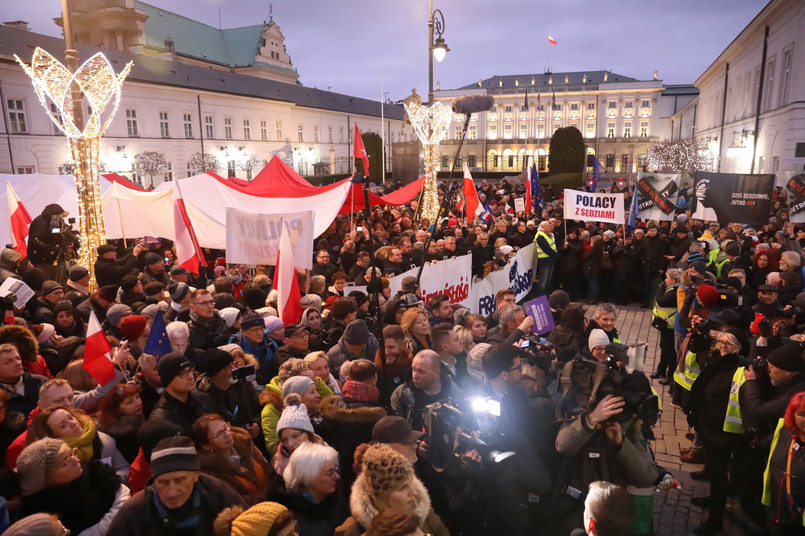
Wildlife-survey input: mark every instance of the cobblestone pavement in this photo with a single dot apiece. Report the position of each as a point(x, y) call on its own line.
point(674, 515)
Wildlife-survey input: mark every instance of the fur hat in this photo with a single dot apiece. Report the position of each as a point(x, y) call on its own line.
point(256, 521)
point(36, 463)
point(23, 338)
point(116, 313)
point(296, 384)
point(598, 337)
point(385, 469)
point(133, 326)
point(294, 415)
point(176, 453)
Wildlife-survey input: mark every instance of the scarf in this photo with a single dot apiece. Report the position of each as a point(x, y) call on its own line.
point(236, 278)
point(83, 443)
point(360, 392)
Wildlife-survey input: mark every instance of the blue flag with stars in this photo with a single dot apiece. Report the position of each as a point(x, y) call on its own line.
point(598, 171)
point(631, 222)
point(158, 343)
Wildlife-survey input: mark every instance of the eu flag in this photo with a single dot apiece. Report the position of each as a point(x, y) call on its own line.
point(535, 198)
point(158, 343)
point(631, 223)
point(598, 171)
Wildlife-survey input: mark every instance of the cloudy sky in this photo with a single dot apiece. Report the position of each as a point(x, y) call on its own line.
point(351, 45)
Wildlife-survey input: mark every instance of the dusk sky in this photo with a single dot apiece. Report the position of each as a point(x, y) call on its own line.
point(349, 45)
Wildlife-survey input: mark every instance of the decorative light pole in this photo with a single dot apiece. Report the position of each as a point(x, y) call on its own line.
point(66, 88)
point(436, 49)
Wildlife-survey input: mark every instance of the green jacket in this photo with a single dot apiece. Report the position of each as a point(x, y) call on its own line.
point(272, 410)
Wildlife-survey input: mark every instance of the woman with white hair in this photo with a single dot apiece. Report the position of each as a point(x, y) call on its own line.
point(312, 490)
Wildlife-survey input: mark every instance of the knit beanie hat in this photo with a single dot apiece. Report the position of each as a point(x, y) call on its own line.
point(64, 305)
point(229, 314)
point(152, 258)
point(36, 463)
point(151, 311)
point(311, 300)
point(47, 331)
point(356, 332)
point(231, 347)
point(116, 312)
point(294, 415)
point(385, 469)
point(133, 326)
point(50, 286)
point(177, 453)
point(179, 291)
point(558, 300)
point(153, 289)
point(256, 521)
point(254, 298)
point(252, 320)
point(216, 360)
point(707, 295)
point(108, 293)
point(598, 337)
point(170, 365)
point(296, 384)
point(33, 525)
point(272, 323)
point(129, 282)
point(787, 357)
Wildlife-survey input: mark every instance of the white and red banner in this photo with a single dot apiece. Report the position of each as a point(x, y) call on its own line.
point(517, 275)
point(586, 206)
point(287, 285)
point(188, 251)
point(450, 276)
point(96, 353)
point(20, 221)
point(253, 238)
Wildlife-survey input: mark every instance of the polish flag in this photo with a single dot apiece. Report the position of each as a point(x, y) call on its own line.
point(20, 220)
point(96, 353)
point(359, 151)
point(287, 285)
point(471, 195)
point(528, 198)
point(551, 40)
point(188, 252)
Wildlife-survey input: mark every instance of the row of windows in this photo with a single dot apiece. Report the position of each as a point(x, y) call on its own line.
point(573, 106)
point(589, 131)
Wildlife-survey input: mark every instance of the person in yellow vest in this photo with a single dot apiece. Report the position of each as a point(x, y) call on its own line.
point(784, 479)
point(663, 317)
point(717, 424)
point(547, 255)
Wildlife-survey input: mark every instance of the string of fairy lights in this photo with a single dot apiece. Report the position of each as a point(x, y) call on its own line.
point(683, 156)
point(95, 80)
point(430, 125)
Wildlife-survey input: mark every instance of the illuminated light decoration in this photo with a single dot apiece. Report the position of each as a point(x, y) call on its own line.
point(150, 163)
point(430, 126)
point(684, 156)
point(95, 81)
point(201, 163)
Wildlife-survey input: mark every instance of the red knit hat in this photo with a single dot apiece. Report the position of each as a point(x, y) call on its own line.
point(707, 295)
point(131, 327)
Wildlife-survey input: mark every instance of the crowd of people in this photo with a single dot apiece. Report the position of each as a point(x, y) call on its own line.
point(378, 414)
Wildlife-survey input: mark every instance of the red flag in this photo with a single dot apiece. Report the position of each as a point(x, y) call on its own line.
point(20, 220)
point(528, 200)
point(188, 252)
point(551, 40)
point(287, 285)
point(471, 195)
point(359, 150)
point(96, 353)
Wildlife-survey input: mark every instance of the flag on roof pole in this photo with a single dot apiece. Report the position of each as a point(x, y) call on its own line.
point(598, 172)
point(532, 201)
point(525, 105)
point(551, 40)
point(359, 151)
point(188, 251)
point(471, 195)
point(287, 285)
point(20, 220)
point(158, 342)
point(96, 352)
point(631, 223)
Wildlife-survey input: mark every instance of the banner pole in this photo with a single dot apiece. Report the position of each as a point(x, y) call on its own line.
point(122, 227)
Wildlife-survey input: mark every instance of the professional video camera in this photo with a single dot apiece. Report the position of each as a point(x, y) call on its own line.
point(634, 387)
point(728, 297)
point(538, 352)
point(451, 432)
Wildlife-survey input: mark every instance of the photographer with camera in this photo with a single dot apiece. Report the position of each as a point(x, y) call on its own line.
point(716, 415)
point(51, 242)
point(605, 441)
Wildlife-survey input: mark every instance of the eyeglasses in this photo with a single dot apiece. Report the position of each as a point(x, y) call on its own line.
point(724, 342)
point(186, 372)
point(205, 302)
point(323, 257)
point(223, 432)
point(334, 473)
point(69, 457)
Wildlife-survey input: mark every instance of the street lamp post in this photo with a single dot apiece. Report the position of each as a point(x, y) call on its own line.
point(436, 49)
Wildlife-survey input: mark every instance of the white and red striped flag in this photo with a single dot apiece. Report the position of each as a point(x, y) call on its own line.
point(188, 252)
point(471, 195)
point(96, 353)
point(551, 40)
point(20, 220)
point(359, 150)
point(287, 285)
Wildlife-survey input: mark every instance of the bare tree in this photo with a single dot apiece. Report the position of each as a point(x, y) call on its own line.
point(150, 163)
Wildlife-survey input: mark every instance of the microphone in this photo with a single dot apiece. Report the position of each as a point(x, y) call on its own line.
point(470, 104)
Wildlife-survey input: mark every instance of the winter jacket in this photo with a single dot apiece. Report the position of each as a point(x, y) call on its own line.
point(786, 512)
point(184, 414)
point(24, 403)
point(248, 477)
point(315, 519)
point(709, 397)
point(760, 415)
point(363, 510)
point(239, 404)
point(338, 354)
point(265, 353)
point(404, 399)
point(111, 271)
point(140, 515)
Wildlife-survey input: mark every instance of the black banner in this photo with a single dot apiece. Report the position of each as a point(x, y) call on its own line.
point(732, 197)
point(795, 188)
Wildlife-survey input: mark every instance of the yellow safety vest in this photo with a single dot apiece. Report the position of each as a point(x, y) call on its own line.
point(766, 498)
point(666, 313)
point(720, 266)
point(551, 243)
point(690, 371)
point(733, 423)
point(712, 255)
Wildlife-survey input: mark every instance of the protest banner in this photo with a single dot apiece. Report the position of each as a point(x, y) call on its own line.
point(795, 189)
point(517, 275)
point(450, 276)
point(519, 204)
point(657, 194)
point(732, 197)
point(586, 206)
point(253, 238)
point(540, 310)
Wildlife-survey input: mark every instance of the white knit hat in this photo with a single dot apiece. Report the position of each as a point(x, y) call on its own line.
point(598, 337)
point(229, 314)
point(294, 415)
